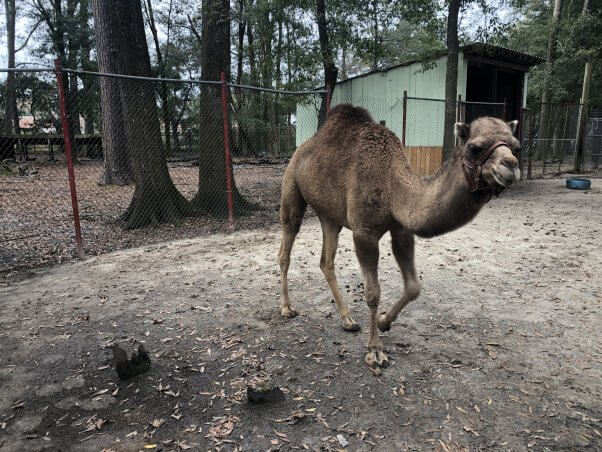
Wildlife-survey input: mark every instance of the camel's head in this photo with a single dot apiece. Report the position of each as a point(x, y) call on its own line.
point(488, 148)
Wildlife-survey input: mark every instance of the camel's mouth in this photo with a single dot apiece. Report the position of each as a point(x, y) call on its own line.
point(505, 177)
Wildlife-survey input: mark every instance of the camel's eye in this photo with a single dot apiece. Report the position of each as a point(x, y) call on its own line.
point(474, 149)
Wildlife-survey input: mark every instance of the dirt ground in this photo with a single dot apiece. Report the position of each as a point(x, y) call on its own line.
point(502, 350)
point(36, 219)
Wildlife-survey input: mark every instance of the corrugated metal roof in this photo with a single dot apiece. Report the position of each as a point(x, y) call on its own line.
point(480, 49)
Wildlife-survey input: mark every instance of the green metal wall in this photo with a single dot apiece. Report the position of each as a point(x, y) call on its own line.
point(382, 95)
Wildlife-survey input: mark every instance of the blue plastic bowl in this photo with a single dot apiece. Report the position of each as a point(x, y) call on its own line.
point(578, 183)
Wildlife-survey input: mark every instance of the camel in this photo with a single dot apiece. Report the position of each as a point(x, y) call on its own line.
point(355, 174)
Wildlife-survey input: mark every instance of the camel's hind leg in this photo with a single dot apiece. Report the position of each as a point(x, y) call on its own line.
point(403, 250)
point(330, 235)
point(292, 209)
point(366, 249)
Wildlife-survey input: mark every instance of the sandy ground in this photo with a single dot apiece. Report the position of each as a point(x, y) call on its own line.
point(502, 350)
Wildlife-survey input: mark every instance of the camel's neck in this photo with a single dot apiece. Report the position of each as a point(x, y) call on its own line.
point(435, 205)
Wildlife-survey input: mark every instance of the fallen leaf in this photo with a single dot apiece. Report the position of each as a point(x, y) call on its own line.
point(157, 423)
point(94, 424)
point(101, 392)
point(468, 429)
point(222, 428)
point(342, 441)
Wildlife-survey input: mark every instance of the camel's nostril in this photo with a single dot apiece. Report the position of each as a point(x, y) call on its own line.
point(510, 162)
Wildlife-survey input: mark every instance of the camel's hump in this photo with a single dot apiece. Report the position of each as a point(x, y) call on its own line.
point(348, 112)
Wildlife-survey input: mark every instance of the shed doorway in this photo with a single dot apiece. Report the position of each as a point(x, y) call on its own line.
point(488, 88)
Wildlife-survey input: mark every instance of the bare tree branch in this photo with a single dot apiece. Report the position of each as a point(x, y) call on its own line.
point(196, 33)
point(35, 27)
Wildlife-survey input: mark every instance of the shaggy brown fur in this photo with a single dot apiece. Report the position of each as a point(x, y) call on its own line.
point(356, 174)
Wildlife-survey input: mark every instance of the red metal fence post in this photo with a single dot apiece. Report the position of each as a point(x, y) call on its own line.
point(404, 118)
point(58, 70)
point(227, 152)
point(327, 98)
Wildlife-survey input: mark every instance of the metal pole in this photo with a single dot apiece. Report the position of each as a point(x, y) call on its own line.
point(227, 152)
point(327, 98)
point(58, 70)
point(404, 118)
point(458, 116)
point(519, 134)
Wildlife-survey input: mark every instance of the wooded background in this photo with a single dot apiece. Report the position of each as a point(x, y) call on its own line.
point(277, 44)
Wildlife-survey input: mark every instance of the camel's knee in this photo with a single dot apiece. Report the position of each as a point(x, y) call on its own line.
point(284, 261)
point(413, 289)
point(372, 296)
point(326, 265)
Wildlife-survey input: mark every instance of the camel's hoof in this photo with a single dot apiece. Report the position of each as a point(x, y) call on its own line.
point(377, 358)
point(383, 325)
point(351, 326)
point(288, 313)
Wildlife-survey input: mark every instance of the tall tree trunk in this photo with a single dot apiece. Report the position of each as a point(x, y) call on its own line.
point(545, 94)
point(73, 44)
point(117, 169)
point(251, 42)
point(215, 58)
point(163, 89)
point(451, 79)
point(241, 39)
point(375, 43)
point(330, 69)
point(156, 198)
point(11, 117)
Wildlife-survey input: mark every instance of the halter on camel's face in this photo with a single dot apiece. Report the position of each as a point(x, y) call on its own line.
point(488, 161)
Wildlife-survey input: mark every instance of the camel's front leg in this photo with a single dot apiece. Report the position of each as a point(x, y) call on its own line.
point(330, 233)
point(366, 248)
point(403, 250)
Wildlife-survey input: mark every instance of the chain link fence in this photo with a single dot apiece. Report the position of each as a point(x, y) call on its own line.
point(550, 145)
point(198, 156)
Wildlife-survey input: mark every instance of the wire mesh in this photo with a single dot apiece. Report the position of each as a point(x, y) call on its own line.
point(34, 195)
point(424, 133)
point(145, 152)
point(550, 139)
point(149, 151)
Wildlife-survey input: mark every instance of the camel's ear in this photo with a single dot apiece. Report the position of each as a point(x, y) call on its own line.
point(462, 130)
point(513, 125)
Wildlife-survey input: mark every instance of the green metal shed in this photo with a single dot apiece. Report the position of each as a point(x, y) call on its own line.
point(491, 81)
